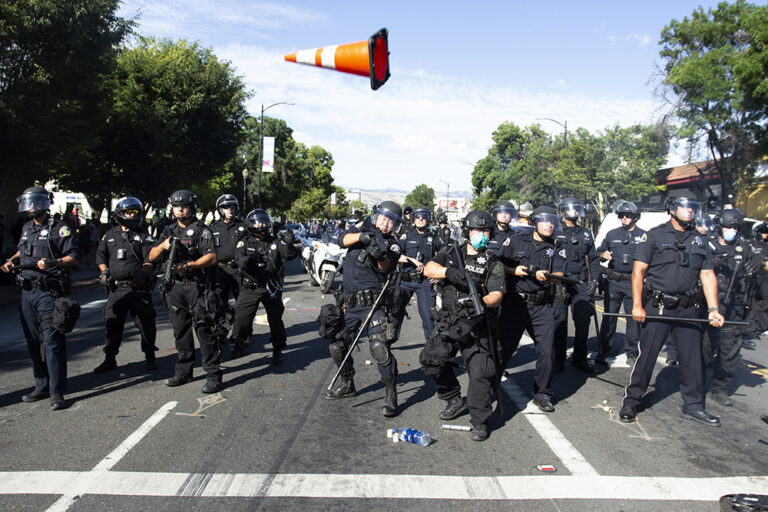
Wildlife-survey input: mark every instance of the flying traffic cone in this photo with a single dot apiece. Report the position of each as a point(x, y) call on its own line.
point(366, 58)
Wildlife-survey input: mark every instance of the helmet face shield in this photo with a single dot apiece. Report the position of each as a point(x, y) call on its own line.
point(705, 223)
point(545, 224)
point(504, 214)
point(685, 210)
point(422, 214)
point(385, 220)
point(573, 211)
point(33, 203)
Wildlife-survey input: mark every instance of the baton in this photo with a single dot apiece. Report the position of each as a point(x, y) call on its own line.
point(677, 318)
point(564, 279)
point(362, 328)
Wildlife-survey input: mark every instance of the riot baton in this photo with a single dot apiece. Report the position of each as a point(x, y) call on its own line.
point(677, 318)
point(594, 310)
point(363, 326)
point(727, 300)
point(566, 280)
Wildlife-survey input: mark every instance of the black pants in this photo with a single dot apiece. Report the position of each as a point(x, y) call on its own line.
point(539, 322)
point(618, 294)
point(508, 340)
point(187, 313)
point(722, 352)
point(121, 302)
point(652, 337)
point(477, 362)
point(245, 310)
point(353, 319)
point(50, 372)
point(227, 282)
point(582, 310)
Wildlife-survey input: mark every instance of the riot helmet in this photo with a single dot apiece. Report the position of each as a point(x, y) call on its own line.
point(571, 208)
point(387, 215)
point(407, 211)
point(684, 208)
point(545, 221)
point(731, 218)
point(628, 210)
point(184, 198)
point(34, 201)
point(503, 213)
point(227, 201)
point(259, 223)
point(129, 212)
point(422, 213)
point(759, 229)
point(480, 221)
point(704, 224)
point(442, 218)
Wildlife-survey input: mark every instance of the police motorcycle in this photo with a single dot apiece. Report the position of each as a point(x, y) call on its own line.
point(323, 259)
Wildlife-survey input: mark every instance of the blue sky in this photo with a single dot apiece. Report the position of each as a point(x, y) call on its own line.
point(459, 69)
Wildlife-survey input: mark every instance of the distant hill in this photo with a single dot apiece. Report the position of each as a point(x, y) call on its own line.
point(375, 196)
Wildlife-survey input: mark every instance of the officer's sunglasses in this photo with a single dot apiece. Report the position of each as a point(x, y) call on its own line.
point(624, 215)
point(421, 217)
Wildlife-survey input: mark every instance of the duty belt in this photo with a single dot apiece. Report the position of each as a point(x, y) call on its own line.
point(126, 283)
point(250, 284)
point(412, 276)
point(666, 300)
point(43, 284)
point(363, 298)
point(229, 264)
point(538, 298)
point(617, 276)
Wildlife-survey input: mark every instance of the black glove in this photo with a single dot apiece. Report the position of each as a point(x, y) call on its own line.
point(375, 251)
point(365, 238)
point(751, 266)
point(289, 237)
point(455, 277)
point(591, 288)
point(104, 276)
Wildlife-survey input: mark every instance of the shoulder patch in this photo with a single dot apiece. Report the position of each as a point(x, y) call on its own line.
point(402, 237)
point(498, 269)
point(561, 253)
point(206, 233)
point(506, 241)
point(395, 248)
point(240, 244)
point(643, 238)
point(64, 231)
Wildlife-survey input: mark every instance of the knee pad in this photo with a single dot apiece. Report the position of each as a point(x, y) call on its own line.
point(379, 351)
point(337, 350)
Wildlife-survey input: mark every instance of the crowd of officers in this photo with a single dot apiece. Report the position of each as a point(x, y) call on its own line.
point(202, 267)
point(475, 298)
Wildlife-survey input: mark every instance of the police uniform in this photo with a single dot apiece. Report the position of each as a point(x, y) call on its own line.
point(675, 260)
point(129, 288)
point(188, 308)
point(457, 330)
point(261, 264)
point(363, 282)
point(39, 290)
point(498, 245)
point(422, 247)
point(226, 236)
point(533, 305)
point(579, 245)
point(721, 353)
point(622, 243)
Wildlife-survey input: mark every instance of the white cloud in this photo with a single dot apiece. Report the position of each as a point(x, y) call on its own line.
point(640, 39)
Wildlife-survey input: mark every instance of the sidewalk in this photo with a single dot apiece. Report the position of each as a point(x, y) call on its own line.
point(82, 278)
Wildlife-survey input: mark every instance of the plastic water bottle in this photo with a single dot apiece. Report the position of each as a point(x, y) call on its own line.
point(414, 436)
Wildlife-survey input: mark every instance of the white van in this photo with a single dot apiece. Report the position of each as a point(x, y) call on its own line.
point(648, 220)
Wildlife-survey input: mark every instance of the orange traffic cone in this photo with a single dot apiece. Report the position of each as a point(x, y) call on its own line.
point(366, 58)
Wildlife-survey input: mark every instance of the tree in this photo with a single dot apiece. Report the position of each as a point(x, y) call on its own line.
point(715, 83)
point(421, 195)
point(175, 122)
point(54, 60)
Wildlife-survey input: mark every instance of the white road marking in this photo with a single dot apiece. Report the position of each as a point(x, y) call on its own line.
point(313, 485)
point(557, 442)
point(78, 485)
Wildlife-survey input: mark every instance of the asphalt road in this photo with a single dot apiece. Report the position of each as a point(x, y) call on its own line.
point(270, 441)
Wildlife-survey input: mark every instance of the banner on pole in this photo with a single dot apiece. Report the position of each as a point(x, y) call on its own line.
point(268, 160)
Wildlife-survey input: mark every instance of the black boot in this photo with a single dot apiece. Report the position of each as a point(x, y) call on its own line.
point(109, 363)
point(454, 408)
point(345, 388)
point(389, 408)
point(238, 349)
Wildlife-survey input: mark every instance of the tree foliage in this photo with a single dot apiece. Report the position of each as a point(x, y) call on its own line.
point(55, 59)
point(527, 165)
point(421, 195)
point(714, 74)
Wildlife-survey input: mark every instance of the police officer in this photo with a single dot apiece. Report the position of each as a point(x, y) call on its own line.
point(759, 312)
point(51, 247)
point(443, 231)
point(407, 223)
point(419, 245)
point(535, 296)
point(227, 232)
point(372, 255)
point(671, 260)
point(188, 307)
point(583, 263)
point(618, 249)
point(126, 272)
point(259, 257)
point(735, 266)
point(459, 329)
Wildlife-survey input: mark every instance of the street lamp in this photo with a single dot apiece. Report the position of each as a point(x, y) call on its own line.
point(261, 141)
point(565, 127)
